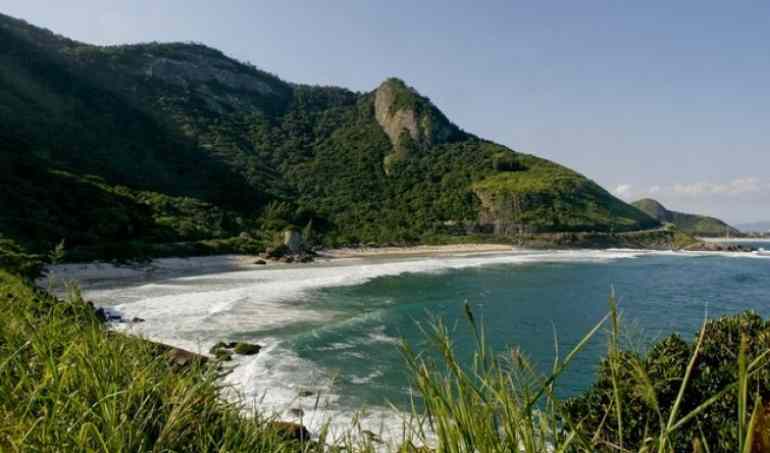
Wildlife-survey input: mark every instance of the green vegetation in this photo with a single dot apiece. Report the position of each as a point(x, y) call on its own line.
point(69, 385)
point(543, 196)
point(697, 225)
point(155, 144)
point(729, 367)
point(703, 396)
point(15, 259)
point(129, 152)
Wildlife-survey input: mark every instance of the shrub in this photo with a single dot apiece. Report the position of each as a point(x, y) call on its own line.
point(676, 395)
point(653, 380)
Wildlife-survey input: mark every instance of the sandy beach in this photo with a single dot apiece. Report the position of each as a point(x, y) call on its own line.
point(166, 267)
point(419, 250)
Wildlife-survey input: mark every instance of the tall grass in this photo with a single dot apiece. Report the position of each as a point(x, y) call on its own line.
point(67, 384)
point(501, 403)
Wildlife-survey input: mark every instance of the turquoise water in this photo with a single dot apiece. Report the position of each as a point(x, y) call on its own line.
point(522, 306)
point(333, 328)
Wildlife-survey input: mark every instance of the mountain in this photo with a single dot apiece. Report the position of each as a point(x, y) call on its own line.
point(697, 225)
point(754, 227)
point(167, 143)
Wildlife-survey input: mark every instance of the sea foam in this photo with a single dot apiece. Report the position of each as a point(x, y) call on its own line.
point(194, 312)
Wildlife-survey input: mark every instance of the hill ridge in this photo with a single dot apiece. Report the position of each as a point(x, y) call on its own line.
point(689, 223)
point(210, 148)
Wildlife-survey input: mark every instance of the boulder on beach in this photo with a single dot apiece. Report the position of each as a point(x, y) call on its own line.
point(247, 348)
point(101, 315)
point(223, 355)
point(220, 345)
point(276, 252)
point(294, 241)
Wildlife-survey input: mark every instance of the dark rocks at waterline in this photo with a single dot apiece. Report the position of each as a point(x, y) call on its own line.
point(297, 412)
point(717, 247)
point(104, 315)
point(288, 259)
point(293, 250)
point(224, 350)
point(223, 355)
point(101, 315)
point(290, 431)
point(217, 347)
point(273, 253)
point(247, 348)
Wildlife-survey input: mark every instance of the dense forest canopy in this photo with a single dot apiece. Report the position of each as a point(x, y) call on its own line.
point(177, 142)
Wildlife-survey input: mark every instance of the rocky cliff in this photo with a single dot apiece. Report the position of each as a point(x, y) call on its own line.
point(411, 122)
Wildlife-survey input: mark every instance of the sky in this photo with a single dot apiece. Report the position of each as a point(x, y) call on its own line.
point(661, 99)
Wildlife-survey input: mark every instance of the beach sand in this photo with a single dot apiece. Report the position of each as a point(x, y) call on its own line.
point(86, 273)
point(419, 250)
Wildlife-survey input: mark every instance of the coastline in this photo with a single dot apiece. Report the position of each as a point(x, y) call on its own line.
point(416, 250)
point(733, 240)
point(160, 268)
point(191, 314)
point(99, 271)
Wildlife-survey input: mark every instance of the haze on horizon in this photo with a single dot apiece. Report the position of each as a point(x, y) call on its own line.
point(652, 99)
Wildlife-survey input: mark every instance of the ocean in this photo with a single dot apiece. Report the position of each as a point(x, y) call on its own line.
point(331, 331)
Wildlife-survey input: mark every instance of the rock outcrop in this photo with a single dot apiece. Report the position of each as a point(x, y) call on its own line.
point(409, 120)
point(294, 241)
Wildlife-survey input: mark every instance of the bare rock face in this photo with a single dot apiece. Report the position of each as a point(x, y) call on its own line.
point(194, 72)
point(293, 240)
point(392, 121)
point(409, 120)
point(190, 67)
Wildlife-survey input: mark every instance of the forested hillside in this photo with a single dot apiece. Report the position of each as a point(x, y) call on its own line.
point(167, 143)
point(699, 225)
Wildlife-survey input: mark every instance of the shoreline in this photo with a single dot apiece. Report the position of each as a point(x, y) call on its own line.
point(733, 240)
point(414, 250)
point(276, 378)
point(101, 271)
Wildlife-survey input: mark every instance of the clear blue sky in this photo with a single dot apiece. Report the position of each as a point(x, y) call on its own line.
point(669, 99)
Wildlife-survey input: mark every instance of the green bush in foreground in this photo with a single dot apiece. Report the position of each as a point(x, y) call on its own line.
point(650, 383)
point(704, 396)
